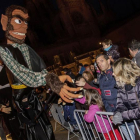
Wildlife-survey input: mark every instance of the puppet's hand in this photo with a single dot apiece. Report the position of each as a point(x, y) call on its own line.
point(64, 78)
point(56, 84)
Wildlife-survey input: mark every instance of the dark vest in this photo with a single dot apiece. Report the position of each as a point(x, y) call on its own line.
point(18, 56)
point(5, 93)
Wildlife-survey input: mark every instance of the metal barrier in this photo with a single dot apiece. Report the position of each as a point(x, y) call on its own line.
point(94, 130)
point(56, 111)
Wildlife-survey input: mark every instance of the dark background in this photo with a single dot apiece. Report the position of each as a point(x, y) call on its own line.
point(61, 26)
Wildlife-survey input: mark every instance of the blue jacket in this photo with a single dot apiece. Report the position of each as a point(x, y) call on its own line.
point(107, 85)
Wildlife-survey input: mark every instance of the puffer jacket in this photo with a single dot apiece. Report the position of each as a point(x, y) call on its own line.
point(113, 51)
point(127, 103)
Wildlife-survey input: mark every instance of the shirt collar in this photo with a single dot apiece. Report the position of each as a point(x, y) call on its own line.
point(16, 45)
point(108, 70)
point(107, 49)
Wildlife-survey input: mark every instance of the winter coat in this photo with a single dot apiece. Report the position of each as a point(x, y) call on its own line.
point(136, 59)
point(127, 102)
point(113, 51)
point(89, 117)
point(107, 85)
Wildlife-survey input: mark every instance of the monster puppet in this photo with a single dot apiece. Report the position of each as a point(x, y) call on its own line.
point(25, 70)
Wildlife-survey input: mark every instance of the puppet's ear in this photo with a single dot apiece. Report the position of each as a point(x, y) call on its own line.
point(4, 21)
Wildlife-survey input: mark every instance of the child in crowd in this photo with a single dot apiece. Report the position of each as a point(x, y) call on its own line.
point(110, 50)
point(89, 78)
point(94, 101)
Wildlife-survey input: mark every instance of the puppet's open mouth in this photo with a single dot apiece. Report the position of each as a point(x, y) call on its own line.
point(16, 33)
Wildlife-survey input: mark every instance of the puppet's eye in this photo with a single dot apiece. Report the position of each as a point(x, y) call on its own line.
point(18, 21)
point(26, 22)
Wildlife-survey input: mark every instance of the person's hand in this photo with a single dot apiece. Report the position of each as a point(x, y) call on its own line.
point(80, 83)
point(111, 59)
point(95, 80)
point(117, 118)
point(5, 109)
point(111, 117)
point(86, 112)
point(64, 78)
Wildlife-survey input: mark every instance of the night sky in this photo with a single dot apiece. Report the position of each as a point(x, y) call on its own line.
point(121, 8)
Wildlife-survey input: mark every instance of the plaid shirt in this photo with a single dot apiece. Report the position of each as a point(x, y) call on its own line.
point(25, 75)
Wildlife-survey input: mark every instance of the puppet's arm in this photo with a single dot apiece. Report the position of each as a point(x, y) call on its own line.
point(57, 85)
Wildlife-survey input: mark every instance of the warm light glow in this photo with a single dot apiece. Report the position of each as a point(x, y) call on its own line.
point(100, 43)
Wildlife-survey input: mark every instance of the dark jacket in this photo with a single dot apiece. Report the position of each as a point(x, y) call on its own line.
point(136, 59)
point(107, 85)
point(127, 102)
point(113, 51)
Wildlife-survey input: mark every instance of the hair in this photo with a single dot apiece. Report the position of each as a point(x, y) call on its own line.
point(134, 45)
point(126, 71)
point(105, 56)
point(93, 98)
point(86, 65)
point(80, 64)
point(78, 77)
point(90, 76)
point(67, 70)
point(107, 41)
point(92, 64)
point(11, 8)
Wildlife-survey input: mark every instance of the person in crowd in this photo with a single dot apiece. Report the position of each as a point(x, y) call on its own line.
point(69, 115)
point(94, 101)
point(81, 82)
point(107, 83)
point(127, 75)
point(87, 68)
point(110, 50)
point(92, 68)
point(69, 72)
point(134, 50)
point(82, 92)
point(81, 69)
point(89, 78)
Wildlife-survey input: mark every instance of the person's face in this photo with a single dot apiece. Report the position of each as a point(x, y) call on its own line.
point(132, 53)
point(105, 46)
point(85, 76)
point(82, 80)
point(92, 68)
point(18, 27)
point(79, 68)
point(102, 63)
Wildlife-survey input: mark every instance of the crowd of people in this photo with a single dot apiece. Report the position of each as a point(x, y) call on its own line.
point(111, 84)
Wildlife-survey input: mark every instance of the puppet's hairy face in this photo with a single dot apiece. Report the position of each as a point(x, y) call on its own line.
point(17, 26)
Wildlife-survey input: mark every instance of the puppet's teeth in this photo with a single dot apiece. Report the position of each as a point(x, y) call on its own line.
point(18, 33)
